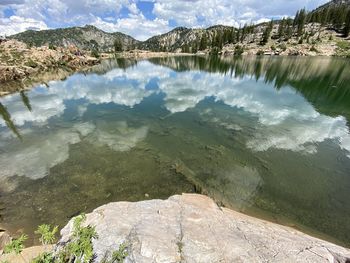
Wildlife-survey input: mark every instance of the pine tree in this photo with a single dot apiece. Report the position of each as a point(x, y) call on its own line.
point(301, 22)
point(238, 35)
point(233, 36)
point(204, 42)
point(194, 47)
point(185, 48)
point(267, 33)
point(347, 24)
point(289, 29)
point(118, 47)
point(281, 28)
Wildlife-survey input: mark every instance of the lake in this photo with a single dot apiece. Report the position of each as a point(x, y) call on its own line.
point(268, 136)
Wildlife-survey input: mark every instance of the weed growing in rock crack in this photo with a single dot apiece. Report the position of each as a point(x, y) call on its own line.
point(79, 249)
point(47, 235)
point(45, 257)
point(118, 256)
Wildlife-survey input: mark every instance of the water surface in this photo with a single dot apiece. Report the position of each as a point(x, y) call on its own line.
point(266, 136)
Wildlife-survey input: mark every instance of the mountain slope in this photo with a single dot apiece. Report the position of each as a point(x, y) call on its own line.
point(87, 37)
point(181, 37)
point(334, 3)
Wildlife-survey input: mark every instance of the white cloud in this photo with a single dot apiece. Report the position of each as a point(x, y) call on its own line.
point(135, 25)
point(40, 151)
point(37, 154)
point(118, 135)
point(286, 120)
point(16, 24)
point(44, 106)
point(229, 12)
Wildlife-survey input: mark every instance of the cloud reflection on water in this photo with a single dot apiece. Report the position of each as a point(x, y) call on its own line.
point(285, 119)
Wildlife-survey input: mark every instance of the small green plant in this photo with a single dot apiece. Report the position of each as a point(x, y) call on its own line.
point(95, 53)
point(343, 45)
point(52, 47)
point(31, 63)
point(313, 49)
point(45, 257)
point(79, 248)
point(120, 254)
point(238, 50)
point(16, 245)
point(47, 234)
point(283, 47)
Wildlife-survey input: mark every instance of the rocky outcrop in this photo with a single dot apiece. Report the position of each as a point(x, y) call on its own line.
point(192, 228)
point(85, 38)
point(19, 62)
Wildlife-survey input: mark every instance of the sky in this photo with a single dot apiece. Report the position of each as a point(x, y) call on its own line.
point(142, 18)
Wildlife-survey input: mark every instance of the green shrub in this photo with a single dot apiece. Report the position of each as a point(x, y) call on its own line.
point(119, 255)
point(16, 245)
point(47, 235)
point(51, 46)
point(31, 63)
point(44, 258)
point(283, 46)
point(80, 246)
point(238, 50)
point(345, 45)
point(95, 53)
point(313, 48)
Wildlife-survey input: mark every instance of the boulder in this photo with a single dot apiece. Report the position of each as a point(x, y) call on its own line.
point(193, 228)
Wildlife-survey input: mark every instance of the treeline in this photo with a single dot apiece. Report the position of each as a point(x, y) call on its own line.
point(335, 16)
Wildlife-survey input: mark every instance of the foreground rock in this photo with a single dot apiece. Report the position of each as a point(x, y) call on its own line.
point(192, 228)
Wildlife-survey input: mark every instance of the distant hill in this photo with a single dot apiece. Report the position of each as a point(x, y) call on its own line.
point(321, 28)
point(333, 3)
point(87, 37)
point(181, 38)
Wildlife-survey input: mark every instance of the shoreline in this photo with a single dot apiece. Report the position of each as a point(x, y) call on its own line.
point(20, 81)
point(154, 223)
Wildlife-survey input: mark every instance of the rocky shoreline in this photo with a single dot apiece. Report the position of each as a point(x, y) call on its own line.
point(23, 67)
point(26, 66)
point(192, 228)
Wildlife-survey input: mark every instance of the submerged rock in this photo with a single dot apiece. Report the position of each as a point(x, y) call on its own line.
point(192, 228)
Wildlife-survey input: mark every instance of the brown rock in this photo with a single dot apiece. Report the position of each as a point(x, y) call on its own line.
point(27, 255)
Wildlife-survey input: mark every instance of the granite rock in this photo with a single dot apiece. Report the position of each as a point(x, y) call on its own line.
point(192, 228)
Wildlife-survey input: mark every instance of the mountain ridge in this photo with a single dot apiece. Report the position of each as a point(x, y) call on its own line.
point(192, 40)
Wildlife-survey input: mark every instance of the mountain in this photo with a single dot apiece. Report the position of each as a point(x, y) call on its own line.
point(87, 37)
point(334, 3)
point(181, 37)
point(328, 24)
